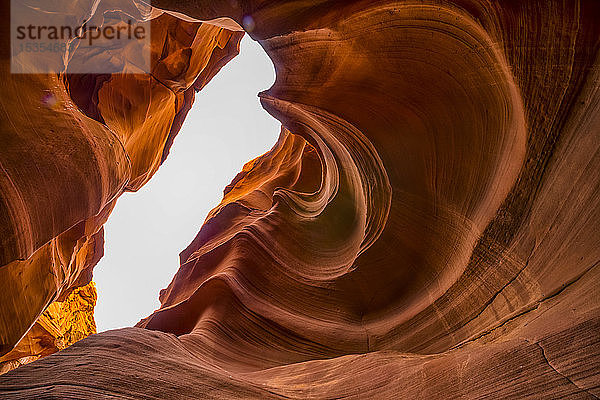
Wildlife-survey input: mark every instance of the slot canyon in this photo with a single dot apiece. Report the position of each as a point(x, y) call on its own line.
point(426, 226)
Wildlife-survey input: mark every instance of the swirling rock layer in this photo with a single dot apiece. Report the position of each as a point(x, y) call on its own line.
point(426, 226)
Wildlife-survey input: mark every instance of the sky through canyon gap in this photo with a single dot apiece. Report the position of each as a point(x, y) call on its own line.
point(147, 230)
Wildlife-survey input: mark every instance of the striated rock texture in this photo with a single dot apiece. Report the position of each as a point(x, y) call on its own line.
point(426, 226)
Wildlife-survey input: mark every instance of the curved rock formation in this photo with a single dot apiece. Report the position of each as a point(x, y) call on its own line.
point(426, 226)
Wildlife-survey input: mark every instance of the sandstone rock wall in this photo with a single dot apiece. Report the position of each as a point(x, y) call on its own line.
point(426, 226)
point(70, 145)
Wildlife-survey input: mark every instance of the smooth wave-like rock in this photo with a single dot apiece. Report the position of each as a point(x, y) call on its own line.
point(426, 226)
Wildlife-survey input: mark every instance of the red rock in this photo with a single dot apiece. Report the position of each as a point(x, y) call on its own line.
point(426, 226)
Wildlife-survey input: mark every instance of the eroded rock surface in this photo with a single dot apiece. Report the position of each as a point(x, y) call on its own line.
point(426, 226)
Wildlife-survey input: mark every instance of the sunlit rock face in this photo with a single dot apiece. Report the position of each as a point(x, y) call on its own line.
point(70, 145)
point(426, 226)
point(62, 324)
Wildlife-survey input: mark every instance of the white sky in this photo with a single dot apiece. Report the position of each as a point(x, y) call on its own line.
point(147, 230)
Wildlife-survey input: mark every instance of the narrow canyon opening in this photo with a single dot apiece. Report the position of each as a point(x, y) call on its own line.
point(225, 128)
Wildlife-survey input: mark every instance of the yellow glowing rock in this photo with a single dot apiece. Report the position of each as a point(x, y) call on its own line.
point(62, 324)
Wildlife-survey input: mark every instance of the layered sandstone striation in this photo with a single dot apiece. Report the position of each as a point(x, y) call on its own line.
point(426, 226)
